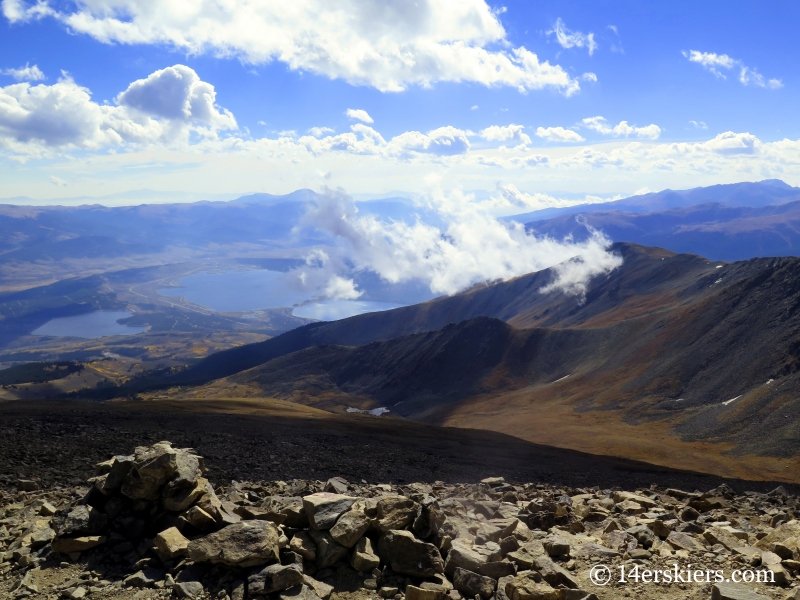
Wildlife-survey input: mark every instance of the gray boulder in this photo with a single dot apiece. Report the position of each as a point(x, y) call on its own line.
point(471, 584)
point(410, 556)
point(151, 470)
point(350, 527)
point(244, 544)
point(275, 578)
point(329, 551)
point(324, 509)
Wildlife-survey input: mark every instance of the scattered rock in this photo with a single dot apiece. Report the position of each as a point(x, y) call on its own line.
point(364, 558)
point(170, 544)
point(525, 587)
point(188, 589)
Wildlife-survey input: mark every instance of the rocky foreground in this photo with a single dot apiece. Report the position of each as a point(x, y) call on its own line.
point(149, 525)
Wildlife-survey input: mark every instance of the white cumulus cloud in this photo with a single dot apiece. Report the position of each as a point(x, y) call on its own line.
point(26, 73)
point(320, 131)
point(385, 45)
point(623, 129)
point(558, 134)
point(572, 39)
point(500, 133)
point(165, 107)
point(359, 115)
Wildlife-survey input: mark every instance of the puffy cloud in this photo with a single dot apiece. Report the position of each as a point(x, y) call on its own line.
point(498, 133)
point(362, 139)
point(470, 247)
point(340, 288)
point(26, 73)
point(359, 115)
point(572, 39)
point(167, 106)
point(444, 141)
point(732, 143)
point(715, 63)
point(386, 45)
point(320, 131)
point(558, 134)
point(600, 125)
point(177, 94)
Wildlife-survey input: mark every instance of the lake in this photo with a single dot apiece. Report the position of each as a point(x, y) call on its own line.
point(237, 291)
point(332, 310)
point(91, 325)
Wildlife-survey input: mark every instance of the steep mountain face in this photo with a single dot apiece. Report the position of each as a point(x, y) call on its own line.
point(712, 230)
point(708, 350)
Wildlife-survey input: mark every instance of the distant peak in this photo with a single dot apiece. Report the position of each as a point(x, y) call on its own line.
point(776, 183)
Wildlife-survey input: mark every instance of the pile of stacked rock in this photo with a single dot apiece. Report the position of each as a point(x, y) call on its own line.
point(152, 521)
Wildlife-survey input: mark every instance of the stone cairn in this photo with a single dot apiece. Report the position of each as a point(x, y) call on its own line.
point(152, 521)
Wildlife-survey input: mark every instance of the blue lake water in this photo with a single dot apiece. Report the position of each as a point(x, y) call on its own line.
point(332, 310)
point(91, 325)
point(235, 291)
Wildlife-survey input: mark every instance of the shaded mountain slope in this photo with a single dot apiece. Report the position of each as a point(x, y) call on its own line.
point(712, 353)
point(640, 286)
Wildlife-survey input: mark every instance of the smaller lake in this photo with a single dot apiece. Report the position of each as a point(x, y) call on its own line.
point(91, 325)
point(234, 291)
point(332, 310)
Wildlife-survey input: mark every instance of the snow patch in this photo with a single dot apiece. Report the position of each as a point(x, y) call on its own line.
point(373, 411)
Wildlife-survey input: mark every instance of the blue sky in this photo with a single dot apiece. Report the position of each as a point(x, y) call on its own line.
point(726, 112)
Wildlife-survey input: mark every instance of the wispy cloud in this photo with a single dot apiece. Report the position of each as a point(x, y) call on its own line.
point(26, 73)
point(719, 63)
point(572, 39)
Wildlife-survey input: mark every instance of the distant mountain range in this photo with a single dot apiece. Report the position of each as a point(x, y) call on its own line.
point(29, 233)
point(724, 222)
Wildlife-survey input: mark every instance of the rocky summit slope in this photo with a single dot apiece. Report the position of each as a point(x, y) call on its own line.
point(150, 525)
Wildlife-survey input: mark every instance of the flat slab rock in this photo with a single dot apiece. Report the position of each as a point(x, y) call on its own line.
point(243, 544)
point(734, 591)
point(324, 508)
